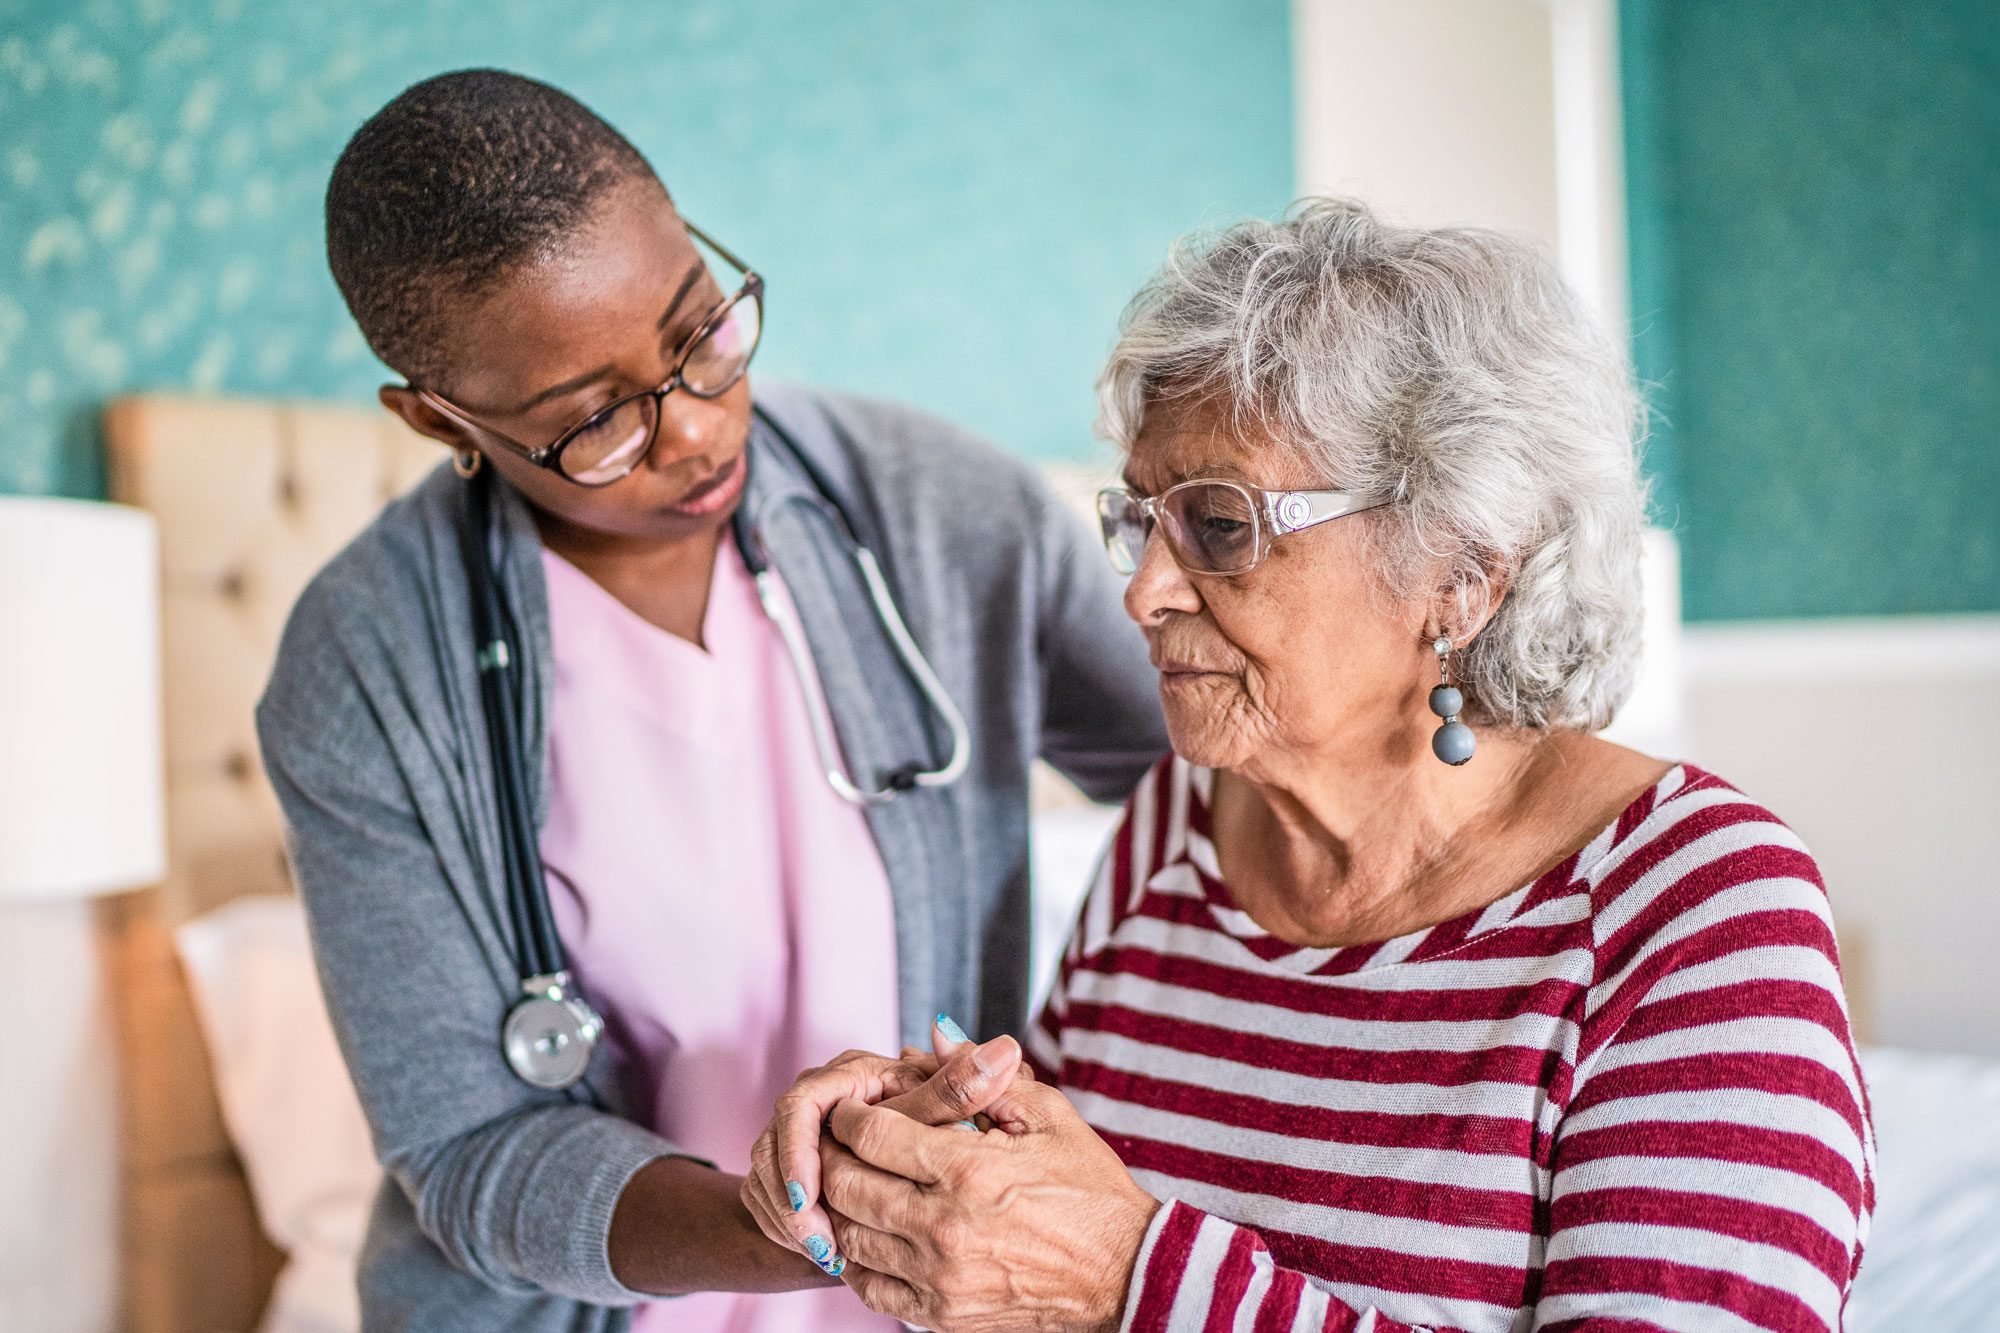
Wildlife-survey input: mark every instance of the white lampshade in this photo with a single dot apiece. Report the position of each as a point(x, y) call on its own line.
point(81, 774)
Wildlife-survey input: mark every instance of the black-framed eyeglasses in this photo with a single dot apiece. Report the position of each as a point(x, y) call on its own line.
point(1213, 526)
point(615, 439)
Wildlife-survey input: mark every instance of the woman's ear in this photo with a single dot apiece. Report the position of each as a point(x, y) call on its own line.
point(1464, 604)
point(1499, 578)
point(422, 418)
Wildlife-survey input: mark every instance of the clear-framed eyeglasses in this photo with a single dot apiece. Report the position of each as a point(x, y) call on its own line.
point(1213, 526)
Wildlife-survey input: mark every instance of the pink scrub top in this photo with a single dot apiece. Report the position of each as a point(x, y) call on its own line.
point(726, 911)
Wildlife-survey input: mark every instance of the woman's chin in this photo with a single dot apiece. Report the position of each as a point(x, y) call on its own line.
point(1203, 721)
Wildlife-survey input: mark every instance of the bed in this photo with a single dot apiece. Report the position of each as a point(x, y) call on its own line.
point(251, 497)
point(1933, 1258)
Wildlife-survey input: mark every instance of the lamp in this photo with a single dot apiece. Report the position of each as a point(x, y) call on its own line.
point(81, 776)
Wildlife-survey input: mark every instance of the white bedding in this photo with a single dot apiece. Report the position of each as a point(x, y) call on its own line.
point(1933, 1256)
point(287, 1102)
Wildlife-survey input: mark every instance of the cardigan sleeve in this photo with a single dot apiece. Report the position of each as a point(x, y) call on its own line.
point(514, 1185)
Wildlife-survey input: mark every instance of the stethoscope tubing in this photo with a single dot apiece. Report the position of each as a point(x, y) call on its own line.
point(527, 896)
point(550, 1031)
point(748, 531)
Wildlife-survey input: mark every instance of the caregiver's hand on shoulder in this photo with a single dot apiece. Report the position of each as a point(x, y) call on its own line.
point(1034, 1224)
point(782, 1189)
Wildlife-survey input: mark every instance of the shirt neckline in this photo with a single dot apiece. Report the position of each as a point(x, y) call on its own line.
point(1196, 857)
point(703, 695)
point(724, 576)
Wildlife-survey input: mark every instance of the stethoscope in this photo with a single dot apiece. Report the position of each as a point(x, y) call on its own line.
point(551, 1031)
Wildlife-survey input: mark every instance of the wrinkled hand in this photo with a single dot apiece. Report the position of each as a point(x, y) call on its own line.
point(1033, 1224)
point(782, 1189)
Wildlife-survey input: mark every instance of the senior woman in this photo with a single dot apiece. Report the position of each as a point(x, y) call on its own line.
point(1400, 1000)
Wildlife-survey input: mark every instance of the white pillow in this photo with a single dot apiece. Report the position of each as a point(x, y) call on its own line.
point(287, 1102)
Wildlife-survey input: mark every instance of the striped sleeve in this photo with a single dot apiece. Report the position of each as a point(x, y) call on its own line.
point(1198, 1272)
point(1713, 1166)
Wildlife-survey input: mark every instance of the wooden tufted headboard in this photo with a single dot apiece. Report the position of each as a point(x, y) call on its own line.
point(251, 498)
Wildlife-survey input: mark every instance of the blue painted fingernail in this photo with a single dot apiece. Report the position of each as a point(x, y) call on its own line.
point(966, 1124)
point(817, 1247)
point(797, 1194)
point(951, 1030)
point(836, 1268)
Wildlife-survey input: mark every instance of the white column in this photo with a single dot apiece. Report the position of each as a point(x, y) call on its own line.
point(1590, 155)
point(1503, 112)
point(1434, 111)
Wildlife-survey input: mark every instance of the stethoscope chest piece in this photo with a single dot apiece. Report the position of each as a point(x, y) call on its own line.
point(550, 1034)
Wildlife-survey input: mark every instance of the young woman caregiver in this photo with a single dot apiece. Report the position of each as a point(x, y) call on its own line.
point(673, 739)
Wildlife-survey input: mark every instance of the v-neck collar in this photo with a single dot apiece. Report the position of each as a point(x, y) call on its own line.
point(1193, 869)
point(578, 582)
point(702, 694)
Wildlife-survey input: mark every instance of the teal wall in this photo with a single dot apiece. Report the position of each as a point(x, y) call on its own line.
point(951, 202)
point(1814, 192)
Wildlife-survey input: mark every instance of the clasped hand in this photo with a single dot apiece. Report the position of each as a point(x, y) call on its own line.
point(1022, 1219)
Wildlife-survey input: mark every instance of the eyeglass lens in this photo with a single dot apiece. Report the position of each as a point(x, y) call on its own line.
point(1123, 523)
point(1210, 527)
point(610, 444)
point(716, 362)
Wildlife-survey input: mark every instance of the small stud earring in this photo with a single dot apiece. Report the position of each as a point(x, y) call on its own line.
point(465, 462)
point(1453, 742)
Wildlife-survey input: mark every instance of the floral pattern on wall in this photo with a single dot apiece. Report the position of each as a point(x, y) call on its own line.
point(952, 203)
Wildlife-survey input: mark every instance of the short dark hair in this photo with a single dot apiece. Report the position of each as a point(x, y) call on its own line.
point(449, 185)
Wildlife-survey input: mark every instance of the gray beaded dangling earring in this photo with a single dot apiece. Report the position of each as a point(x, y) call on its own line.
point(1453, 742)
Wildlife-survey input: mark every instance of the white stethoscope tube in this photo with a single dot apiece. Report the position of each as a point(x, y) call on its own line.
point(778, 607)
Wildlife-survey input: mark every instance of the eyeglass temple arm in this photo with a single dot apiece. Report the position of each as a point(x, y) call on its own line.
point(1294, 511)
point(719, 248)
point(439, 404)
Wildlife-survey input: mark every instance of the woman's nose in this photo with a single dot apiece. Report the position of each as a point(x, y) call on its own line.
point(1159, 584)
point(688, 426)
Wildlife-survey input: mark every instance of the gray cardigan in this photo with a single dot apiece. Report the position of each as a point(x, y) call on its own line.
point(497, 1206)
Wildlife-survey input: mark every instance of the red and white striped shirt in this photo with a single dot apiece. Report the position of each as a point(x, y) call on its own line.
point(1623, 1097)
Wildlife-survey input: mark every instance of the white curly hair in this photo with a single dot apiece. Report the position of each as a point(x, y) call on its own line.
point(1452, 373)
